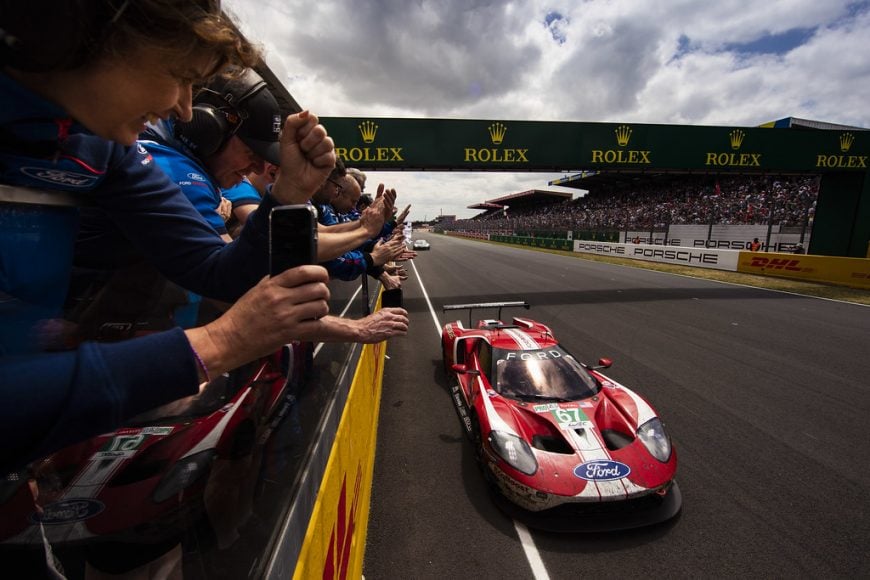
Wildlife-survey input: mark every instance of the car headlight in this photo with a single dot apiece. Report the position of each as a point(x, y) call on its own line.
point(514, 451)
point(184, 474)
point(652, 434)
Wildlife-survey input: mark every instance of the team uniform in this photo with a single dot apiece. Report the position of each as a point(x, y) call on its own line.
point(185, 171)
point(350, 265)
point(73, 395)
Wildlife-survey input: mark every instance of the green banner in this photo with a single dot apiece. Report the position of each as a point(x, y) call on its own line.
point(445, 144)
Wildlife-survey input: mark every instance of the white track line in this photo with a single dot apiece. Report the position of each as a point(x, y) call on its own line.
point(526, 540)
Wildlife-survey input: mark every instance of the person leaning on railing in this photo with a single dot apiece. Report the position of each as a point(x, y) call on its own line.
point(79, 80)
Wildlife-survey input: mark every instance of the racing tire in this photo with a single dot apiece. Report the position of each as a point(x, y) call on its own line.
point(476, 439)
point(444, 361)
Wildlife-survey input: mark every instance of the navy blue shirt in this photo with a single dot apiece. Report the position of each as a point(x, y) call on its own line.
point(51, 400)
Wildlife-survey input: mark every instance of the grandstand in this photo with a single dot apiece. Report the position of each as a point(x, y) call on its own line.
point(622, 202)
point(522, 202)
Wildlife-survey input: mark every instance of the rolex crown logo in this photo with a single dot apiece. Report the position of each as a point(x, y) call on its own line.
point(736, 137)
point(368, 130)
point(846, 140)
point(623, 134)
point(497, 132)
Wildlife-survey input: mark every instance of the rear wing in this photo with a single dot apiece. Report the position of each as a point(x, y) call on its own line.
point(482, 305)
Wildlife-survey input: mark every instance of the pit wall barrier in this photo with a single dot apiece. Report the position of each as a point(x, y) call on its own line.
point(851, 272)
point(535, 242)
point(334, 542)
point(474, 235)
point(677, 255)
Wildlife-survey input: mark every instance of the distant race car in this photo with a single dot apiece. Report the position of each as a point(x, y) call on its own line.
point(421, 245)
point(571, 449)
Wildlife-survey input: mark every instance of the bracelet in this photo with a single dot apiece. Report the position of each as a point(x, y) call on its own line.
point(201, 364)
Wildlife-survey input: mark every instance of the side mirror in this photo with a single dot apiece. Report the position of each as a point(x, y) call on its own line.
point(603, 363)
point(461, 369)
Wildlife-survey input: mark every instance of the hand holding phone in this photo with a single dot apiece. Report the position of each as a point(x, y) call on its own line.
point(391, 298)
point(292, 237)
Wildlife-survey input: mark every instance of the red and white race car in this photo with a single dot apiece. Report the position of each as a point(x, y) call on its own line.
point(571, 449)
point(131, 493)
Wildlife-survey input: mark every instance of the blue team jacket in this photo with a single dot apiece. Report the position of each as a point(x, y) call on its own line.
point(51, 400)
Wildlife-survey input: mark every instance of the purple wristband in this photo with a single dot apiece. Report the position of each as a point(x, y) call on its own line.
point(201, 364)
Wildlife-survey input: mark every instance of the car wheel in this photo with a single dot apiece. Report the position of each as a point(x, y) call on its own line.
point(477, 442)
point(444, 361)
point(476, 439)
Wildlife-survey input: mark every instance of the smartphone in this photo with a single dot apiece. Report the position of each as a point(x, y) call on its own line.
point(292, 237)
point(391, 298)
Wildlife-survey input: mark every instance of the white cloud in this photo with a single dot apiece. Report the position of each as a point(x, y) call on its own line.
point(602, 60)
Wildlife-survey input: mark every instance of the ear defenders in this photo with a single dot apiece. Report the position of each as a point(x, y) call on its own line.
point(218, 112)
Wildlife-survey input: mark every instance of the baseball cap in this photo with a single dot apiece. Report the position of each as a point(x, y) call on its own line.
point(261, 129)
point(259, 126)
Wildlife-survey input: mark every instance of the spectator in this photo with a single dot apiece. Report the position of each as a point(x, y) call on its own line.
point(246, 196)
point(365, 200)
point(74, 104)
point(359, 176)
point(233, 132)
point(687, 200)
point(366, 257)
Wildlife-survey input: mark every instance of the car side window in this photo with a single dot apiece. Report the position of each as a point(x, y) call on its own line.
point(484, 358)
point(461, 350)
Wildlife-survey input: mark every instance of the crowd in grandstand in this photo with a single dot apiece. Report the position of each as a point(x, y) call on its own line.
point(731, 200)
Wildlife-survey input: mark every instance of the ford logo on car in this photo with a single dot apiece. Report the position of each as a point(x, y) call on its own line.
point(603, 470)
point(69, 510)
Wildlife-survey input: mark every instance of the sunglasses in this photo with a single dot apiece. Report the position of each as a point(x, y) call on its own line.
point(338, 186)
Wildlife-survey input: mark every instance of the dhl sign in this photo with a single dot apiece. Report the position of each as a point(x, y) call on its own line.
point(851, 272)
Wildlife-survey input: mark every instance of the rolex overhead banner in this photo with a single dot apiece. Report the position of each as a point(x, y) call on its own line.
point(457, 145)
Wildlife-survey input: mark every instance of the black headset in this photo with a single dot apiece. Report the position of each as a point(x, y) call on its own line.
point(218, 114)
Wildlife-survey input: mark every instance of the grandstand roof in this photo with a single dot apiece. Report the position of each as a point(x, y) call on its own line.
point(796, 123)
point(486, 205)
point(530, 197)
point(588, 179)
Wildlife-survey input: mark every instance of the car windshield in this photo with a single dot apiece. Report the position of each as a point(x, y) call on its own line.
point(550, 373)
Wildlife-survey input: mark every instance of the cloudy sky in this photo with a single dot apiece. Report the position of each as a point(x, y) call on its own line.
point(731, 62)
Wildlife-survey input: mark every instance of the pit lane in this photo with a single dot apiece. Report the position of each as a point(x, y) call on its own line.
point(763, 393)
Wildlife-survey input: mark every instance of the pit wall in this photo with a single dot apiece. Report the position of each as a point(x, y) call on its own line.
point(334, 543)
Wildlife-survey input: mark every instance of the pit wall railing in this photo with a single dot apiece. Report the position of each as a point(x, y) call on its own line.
point(324, 532)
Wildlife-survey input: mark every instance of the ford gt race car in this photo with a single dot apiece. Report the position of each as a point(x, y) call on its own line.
point(569, 448)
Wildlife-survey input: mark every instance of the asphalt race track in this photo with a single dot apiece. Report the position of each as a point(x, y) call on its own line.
point(765, 395)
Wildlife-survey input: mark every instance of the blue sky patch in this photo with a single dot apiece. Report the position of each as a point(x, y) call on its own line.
point(554, 21)
point(778, 44)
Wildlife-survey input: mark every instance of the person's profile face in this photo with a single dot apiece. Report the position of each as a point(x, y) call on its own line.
point(348, 197)
point(116, 96)
point(233, 162)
